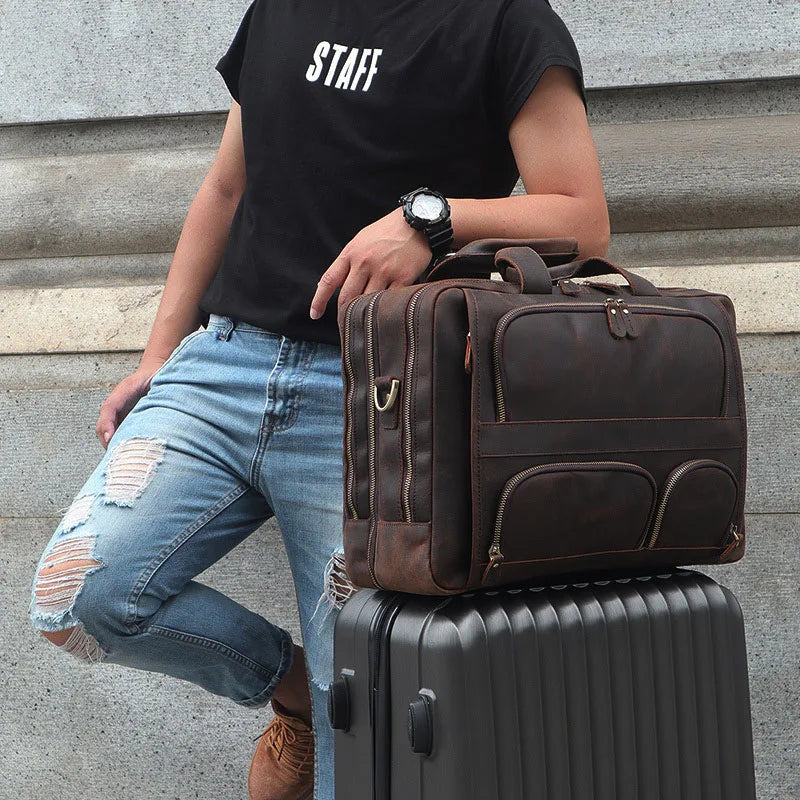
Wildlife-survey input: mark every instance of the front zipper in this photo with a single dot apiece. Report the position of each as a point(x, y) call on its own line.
point(408, 466)
point(496, 556)
point(673, 479)
point(600, 306)
point(368, 325)
point(348, 363)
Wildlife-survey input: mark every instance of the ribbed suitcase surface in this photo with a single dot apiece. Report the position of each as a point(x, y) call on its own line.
point(628, 689)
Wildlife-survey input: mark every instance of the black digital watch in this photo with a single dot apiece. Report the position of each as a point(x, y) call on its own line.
point(427, 210)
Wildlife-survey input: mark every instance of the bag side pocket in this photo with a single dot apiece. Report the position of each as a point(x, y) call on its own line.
point(696, 507)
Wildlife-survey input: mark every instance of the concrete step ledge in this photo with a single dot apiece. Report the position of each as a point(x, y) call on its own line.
point(79, 320)
point(72, 271)
point(611, 104)
point(632, 250)
point(695, 247)
point(659, 176)
point(701, 173)
point(766, 296)
point(119, 318)
point(100, 203)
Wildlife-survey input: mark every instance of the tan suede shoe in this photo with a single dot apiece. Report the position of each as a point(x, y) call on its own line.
point(283, 764)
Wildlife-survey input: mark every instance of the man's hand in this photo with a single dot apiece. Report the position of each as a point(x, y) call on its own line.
point(123, 398)
point(386, 253)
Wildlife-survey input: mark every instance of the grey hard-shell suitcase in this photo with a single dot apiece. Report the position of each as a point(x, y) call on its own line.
point(625, 689)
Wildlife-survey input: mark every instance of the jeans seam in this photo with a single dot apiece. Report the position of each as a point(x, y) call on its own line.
point(303, 370)
point(240, 329)
point(208, 644)
point(264, 428)
point(170, 549)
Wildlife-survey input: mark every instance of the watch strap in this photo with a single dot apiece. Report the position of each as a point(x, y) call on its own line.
point(440, 237)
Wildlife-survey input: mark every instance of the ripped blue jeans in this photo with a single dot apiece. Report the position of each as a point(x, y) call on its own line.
point(239, 425)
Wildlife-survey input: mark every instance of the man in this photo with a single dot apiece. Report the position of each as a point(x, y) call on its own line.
point(339, 110)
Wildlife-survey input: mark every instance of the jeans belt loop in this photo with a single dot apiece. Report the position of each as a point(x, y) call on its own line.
point(225, 332)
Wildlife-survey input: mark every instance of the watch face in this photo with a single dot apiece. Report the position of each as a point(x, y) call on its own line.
point(427, 206)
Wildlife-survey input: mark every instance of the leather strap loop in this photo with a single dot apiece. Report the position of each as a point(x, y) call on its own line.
point(529, 267)
point(588, 267)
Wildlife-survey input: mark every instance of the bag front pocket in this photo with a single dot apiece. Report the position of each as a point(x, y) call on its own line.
point(696, 506)
point(660, 351)
point(570, 509)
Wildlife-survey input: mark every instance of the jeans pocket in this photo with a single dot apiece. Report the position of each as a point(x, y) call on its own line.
point(180, 349)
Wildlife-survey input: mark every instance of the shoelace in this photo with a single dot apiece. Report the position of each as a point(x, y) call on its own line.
point(294, 749)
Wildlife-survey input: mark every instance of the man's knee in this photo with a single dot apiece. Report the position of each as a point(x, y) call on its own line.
point(61, 578)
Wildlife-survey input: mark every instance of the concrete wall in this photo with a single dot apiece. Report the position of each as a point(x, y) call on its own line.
point(694, 108)
point(83, 59)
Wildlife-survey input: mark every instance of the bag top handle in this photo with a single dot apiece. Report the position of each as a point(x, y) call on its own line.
point(476, 259)
point(595, 265)
point(533, 261)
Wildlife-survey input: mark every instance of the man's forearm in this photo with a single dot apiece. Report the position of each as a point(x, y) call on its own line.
point(194, 264)
point(530, 216)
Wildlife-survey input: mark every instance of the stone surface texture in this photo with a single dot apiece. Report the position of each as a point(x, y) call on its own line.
point(82, 59)
point(110, 116)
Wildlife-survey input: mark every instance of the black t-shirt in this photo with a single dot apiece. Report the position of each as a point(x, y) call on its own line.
point(347, 105)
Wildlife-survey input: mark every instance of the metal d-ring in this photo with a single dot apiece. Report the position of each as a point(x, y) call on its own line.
point(390, 398)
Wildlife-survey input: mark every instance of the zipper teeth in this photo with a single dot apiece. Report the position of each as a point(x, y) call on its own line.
point(407, 445)
point(514, 312)
point(371, 433)
point(351, 507)
point(520, 476)
point(407, 395)
point(668, 487)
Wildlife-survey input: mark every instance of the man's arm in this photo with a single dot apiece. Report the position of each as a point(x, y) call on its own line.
point(196, 260)
point(200, 246)
point(559, 167)
point(558, 164)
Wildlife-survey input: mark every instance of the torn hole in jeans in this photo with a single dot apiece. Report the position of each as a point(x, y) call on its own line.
point(57, 585)
point(62, 574)
point(338, 587)
point(83, 646)
point(131, 468)
point(77, 513)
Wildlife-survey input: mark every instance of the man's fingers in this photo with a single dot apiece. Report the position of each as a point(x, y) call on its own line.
point(106, 423)
point(377, 281)
point(353, 286)
point(331, 278)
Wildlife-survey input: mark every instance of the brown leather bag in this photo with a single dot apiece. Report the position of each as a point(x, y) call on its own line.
point(499, 432)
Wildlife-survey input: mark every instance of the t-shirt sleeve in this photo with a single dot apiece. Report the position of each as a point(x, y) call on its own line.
point(230, 65)
point(530, 38)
